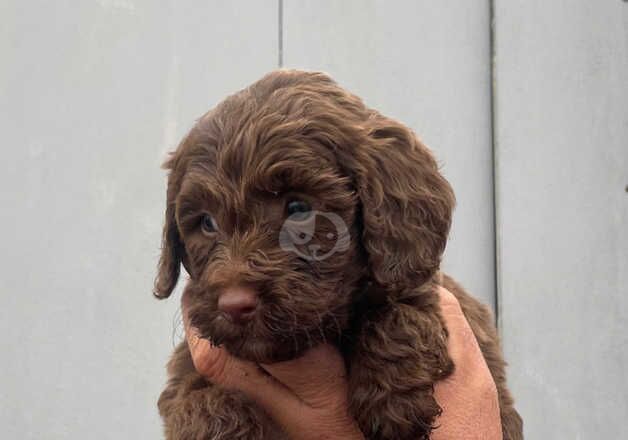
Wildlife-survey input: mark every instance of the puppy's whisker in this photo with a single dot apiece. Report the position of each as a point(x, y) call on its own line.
point(338, 328)
point(310, 342)
point(177, 327)
point(320, 327)
point(294, 335)
point(296, 342)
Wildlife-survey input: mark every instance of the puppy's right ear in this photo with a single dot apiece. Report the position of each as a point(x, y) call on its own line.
point(172, 249)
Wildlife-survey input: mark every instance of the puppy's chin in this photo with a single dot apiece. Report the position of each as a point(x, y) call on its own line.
point(248, 344)
point(267, 352)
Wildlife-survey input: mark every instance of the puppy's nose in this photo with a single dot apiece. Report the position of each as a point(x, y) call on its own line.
point(238, 302)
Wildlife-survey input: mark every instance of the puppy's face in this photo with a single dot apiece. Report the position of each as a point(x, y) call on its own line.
point(272, 246)
point(283, 201)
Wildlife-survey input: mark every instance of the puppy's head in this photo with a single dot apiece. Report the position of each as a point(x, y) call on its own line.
point(284, 201)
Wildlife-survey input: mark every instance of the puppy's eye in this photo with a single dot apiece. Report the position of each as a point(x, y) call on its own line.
point(208, 224)
point(298, 210)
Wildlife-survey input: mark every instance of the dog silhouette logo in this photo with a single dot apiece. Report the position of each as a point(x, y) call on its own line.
point(297, 231)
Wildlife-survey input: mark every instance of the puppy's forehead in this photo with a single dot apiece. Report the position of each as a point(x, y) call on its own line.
point(250, 162)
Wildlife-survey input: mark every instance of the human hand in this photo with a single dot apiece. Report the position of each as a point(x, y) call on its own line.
point(469, 396)
point(307, 396)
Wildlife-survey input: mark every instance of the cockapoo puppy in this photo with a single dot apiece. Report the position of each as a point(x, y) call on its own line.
point(332, 219)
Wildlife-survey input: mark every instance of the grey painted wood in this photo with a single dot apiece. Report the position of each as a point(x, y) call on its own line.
point(562, 144)
point(92, 96)
point(427, 64)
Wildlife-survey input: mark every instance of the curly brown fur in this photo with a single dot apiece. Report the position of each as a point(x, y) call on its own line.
point(296, 134)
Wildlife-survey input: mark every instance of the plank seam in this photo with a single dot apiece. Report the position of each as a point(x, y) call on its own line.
point(495, 167)
point(280, 34)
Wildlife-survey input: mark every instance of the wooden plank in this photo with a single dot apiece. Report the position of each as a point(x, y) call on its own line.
point(93, 94)
point(562, 156)
point(428, 65)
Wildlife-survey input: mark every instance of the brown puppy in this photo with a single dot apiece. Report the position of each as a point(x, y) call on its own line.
point(304, 216)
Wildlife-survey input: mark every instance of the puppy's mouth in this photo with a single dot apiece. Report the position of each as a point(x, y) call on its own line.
point(263, 341)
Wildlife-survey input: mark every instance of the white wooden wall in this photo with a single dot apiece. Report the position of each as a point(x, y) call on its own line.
point(94, 93)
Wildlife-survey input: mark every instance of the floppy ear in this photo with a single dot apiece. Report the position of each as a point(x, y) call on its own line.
point(406, 205)
point(172, 249)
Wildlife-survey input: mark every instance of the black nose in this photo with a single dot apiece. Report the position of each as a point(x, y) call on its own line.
point(238, 303)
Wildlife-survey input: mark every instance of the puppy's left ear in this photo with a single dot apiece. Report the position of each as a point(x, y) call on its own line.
point(172, 249)
point(406, 204)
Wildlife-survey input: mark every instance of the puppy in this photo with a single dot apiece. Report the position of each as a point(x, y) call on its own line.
point(303, 216)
